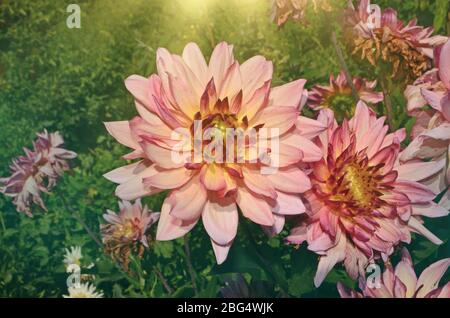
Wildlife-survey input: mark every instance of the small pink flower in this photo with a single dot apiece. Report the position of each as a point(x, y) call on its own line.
point(403, 282)
point(339, 93)
point(223, 94)
point(37, 171)
point(129, 225)
point(363, 201)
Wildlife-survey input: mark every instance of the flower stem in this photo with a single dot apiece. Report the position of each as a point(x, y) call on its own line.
point(163, 280)
point(187, 253)
point(2, 221)
point(344, 65)
point(387, 101)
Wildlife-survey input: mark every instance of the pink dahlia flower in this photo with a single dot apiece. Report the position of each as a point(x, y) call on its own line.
point(431, 132)
point(37, 171)
point(363, 201)
point(188, 96)
point(127, 230)
point(378, 34)
point(402, 282)
point(338, 95)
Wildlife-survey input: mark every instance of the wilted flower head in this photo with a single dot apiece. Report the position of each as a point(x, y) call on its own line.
point(380, 36)
point(403, 282)
point(37, 171)
point(188, 98)
point(363, 202)
point(83, 290)
point(72, 258)
point(283, 10)
point(338, 95)
point(431, 132)
point(127, 228)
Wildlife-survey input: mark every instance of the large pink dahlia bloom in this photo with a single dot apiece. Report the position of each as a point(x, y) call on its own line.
point(37, 171)
point(187, 93)
point(402, 282)
point(363, 201)
point(431, 132)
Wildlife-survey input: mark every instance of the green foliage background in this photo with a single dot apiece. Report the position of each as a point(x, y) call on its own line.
point(71, 80)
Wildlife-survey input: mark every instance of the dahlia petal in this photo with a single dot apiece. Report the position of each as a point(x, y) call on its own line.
point(163, 157)
point(277, 226)
point(433, 98)
point(399, 289)
point(415, 224)
point(277, 119)
point(444, 65)
point(327, 262)
point(430, 209)
point(288, 94)
point(121, 131)
point(309, 128)
point(360, 121)
point(232, 82)
point(212, 177)
point(220, 220)
point(311, 152)
point(135, 188)
point(430, 277)
point(123, 174)
point(416, 192)
point(188, 201)
point(256, 209)
point(258, 183)
point(255, 72)
point(288, 204)
point(194, 58)
point(291, 180)
point(220, 251)
point(169, 227)
point(405, 272)
point(221, 60)
point(168, 179)
point(139, 87)
point(416, 171)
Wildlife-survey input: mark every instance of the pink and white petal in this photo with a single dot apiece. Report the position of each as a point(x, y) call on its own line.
point(255, 72)
point(430, 277)
point(121, 131)
point(169, 227)
point(431, 210)
point(135, 188)
point(289, 94)
point(194, 58)
point(444, 65)
point(289, 204)
point(188, 201)
point(221, 59)
point(220, 251)
point(433, 98)
point(309, 128)
point(212, 177)
point(125, 173)
point(417, 171)
point(405, 272)
point(277, 227)
point(416, 192)
point(220, 220)
point(333, 256)
point(290, 180)
point(418, 227)
point(255, 208)
point(276, 120)
point(258, 183)
point(168, 179)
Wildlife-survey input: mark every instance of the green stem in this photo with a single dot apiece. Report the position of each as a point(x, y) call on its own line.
point(344, 65)
point(187, 253)
point(162, 279)
point(387, 101)
point(2, 222)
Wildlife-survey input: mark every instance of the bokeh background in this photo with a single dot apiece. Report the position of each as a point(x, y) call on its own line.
point(71, 80)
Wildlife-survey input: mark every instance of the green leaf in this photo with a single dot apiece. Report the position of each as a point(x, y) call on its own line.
point(440, 14)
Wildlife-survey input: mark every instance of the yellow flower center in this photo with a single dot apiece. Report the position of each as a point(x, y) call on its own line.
point(359, 184)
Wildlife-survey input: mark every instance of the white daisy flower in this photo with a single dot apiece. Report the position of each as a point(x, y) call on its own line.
point(72, 258)
point(83, 290)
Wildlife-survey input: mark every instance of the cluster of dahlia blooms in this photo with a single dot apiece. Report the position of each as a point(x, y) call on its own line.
point(295, 10)
point(190, 97)
point(338, 95)
point(381, 36)
point(364, 200)
point(37, 171)
point(402, 282)
point(127, 228)
point(431, 132)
